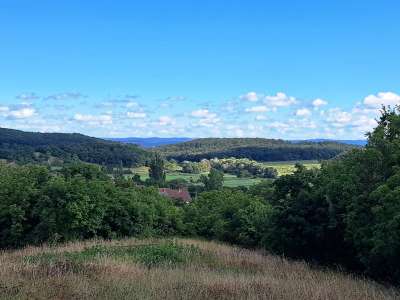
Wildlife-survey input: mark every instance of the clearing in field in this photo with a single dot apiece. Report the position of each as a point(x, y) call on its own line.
point(170, 269)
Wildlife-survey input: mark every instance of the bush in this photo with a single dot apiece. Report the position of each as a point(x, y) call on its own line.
point(77, 203)
point(227, 215)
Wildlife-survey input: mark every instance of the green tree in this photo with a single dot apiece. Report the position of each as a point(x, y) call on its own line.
point(136, 179)
point(156, 170)
point(347, 212)
point(373, 214)
point(78, 202)
point(177, 183)
point(214, 180)
point(228, 215)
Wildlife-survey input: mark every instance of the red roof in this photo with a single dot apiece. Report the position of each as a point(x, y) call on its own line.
point(180, 194)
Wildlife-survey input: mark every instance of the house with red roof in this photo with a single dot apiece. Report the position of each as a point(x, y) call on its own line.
point(181, 194)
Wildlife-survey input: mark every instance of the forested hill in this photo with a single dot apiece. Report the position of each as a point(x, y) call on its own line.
point(253, 148)
point(32, 147)
point(150, 142)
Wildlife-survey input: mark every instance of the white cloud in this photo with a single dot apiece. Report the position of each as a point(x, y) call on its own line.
point(302, 123)
point(4, 109)
point(364, 123)
point(201, 113)
point(337, 117)
point(382, 98)
point(93, 119)
point(252, 114)
point(239, 132)
point(207, 118)
point(208, 122)
point(303, 112)
point(280, 126)
point(280, 100)
point(136, 115)
point(166, 120)
point(250, 96)
point(22, 113)
point(257, 109)
point(319, 102)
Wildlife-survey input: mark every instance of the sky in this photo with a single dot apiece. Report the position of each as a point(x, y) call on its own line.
point(273, 69)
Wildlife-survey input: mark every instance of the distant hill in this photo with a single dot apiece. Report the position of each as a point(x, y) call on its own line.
point(348, 142)
point(32, 147)
point(150, 142)
point(153, 142)
point(253, 148)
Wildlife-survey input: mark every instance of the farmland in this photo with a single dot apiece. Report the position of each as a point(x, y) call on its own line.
point(230, 180)
point(288, 167)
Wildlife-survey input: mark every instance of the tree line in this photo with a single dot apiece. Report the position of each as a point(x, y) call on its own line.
point(241, 167)
point(252, 148)
point(78, 202)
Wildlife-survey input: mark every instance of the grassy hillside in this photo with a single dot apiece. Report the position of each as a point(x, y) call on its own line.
point(28, 147)
point(162, 269)
point(252, 148)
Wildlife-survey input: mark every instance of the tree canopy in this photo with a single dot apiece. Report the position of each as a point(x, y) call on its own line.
point(252, 148)
point(57, 148)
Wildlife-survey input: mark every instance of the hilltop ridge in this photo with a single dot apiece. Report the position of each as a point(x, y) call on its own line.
point(36, 147)
point(259, 149)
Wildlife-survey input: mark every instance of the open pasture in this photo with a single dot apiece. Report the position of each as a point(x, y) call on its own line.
point(283, 168)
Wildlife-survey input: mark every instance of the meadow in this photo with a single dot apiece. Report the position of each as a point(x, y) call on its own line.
point(170, 269)
point(229, 179)
point(288, 167)
point(283, 168)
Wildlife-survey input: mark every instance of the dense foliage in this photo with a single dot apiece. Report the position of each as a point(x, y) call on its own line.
point(213, 181)
point(228, 215)
point(156, 171)
point(196, 167)
point(252, 148)
point(244, 167)
point(349, 211)
point(77, 203)
point(241, 167)
point(55, 148)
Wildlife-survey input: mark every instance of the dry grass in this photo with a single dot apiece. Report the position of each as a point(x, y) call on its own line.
point(221, 272)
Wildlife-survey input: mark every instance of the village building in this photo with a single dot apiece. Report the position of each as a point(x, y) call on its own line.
point(181, 194)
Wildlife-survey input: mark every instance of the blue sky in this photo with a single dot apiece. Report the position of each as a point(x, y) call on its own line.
point(277, 69)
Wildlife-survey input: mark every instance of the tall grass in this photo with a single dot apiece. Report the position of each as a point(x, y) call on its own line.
point(163, 269)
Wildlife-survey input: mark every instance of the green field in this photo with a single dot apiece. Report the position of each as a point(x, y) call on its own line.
point(287, 167)
point(229, 180)
point(283, 168)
